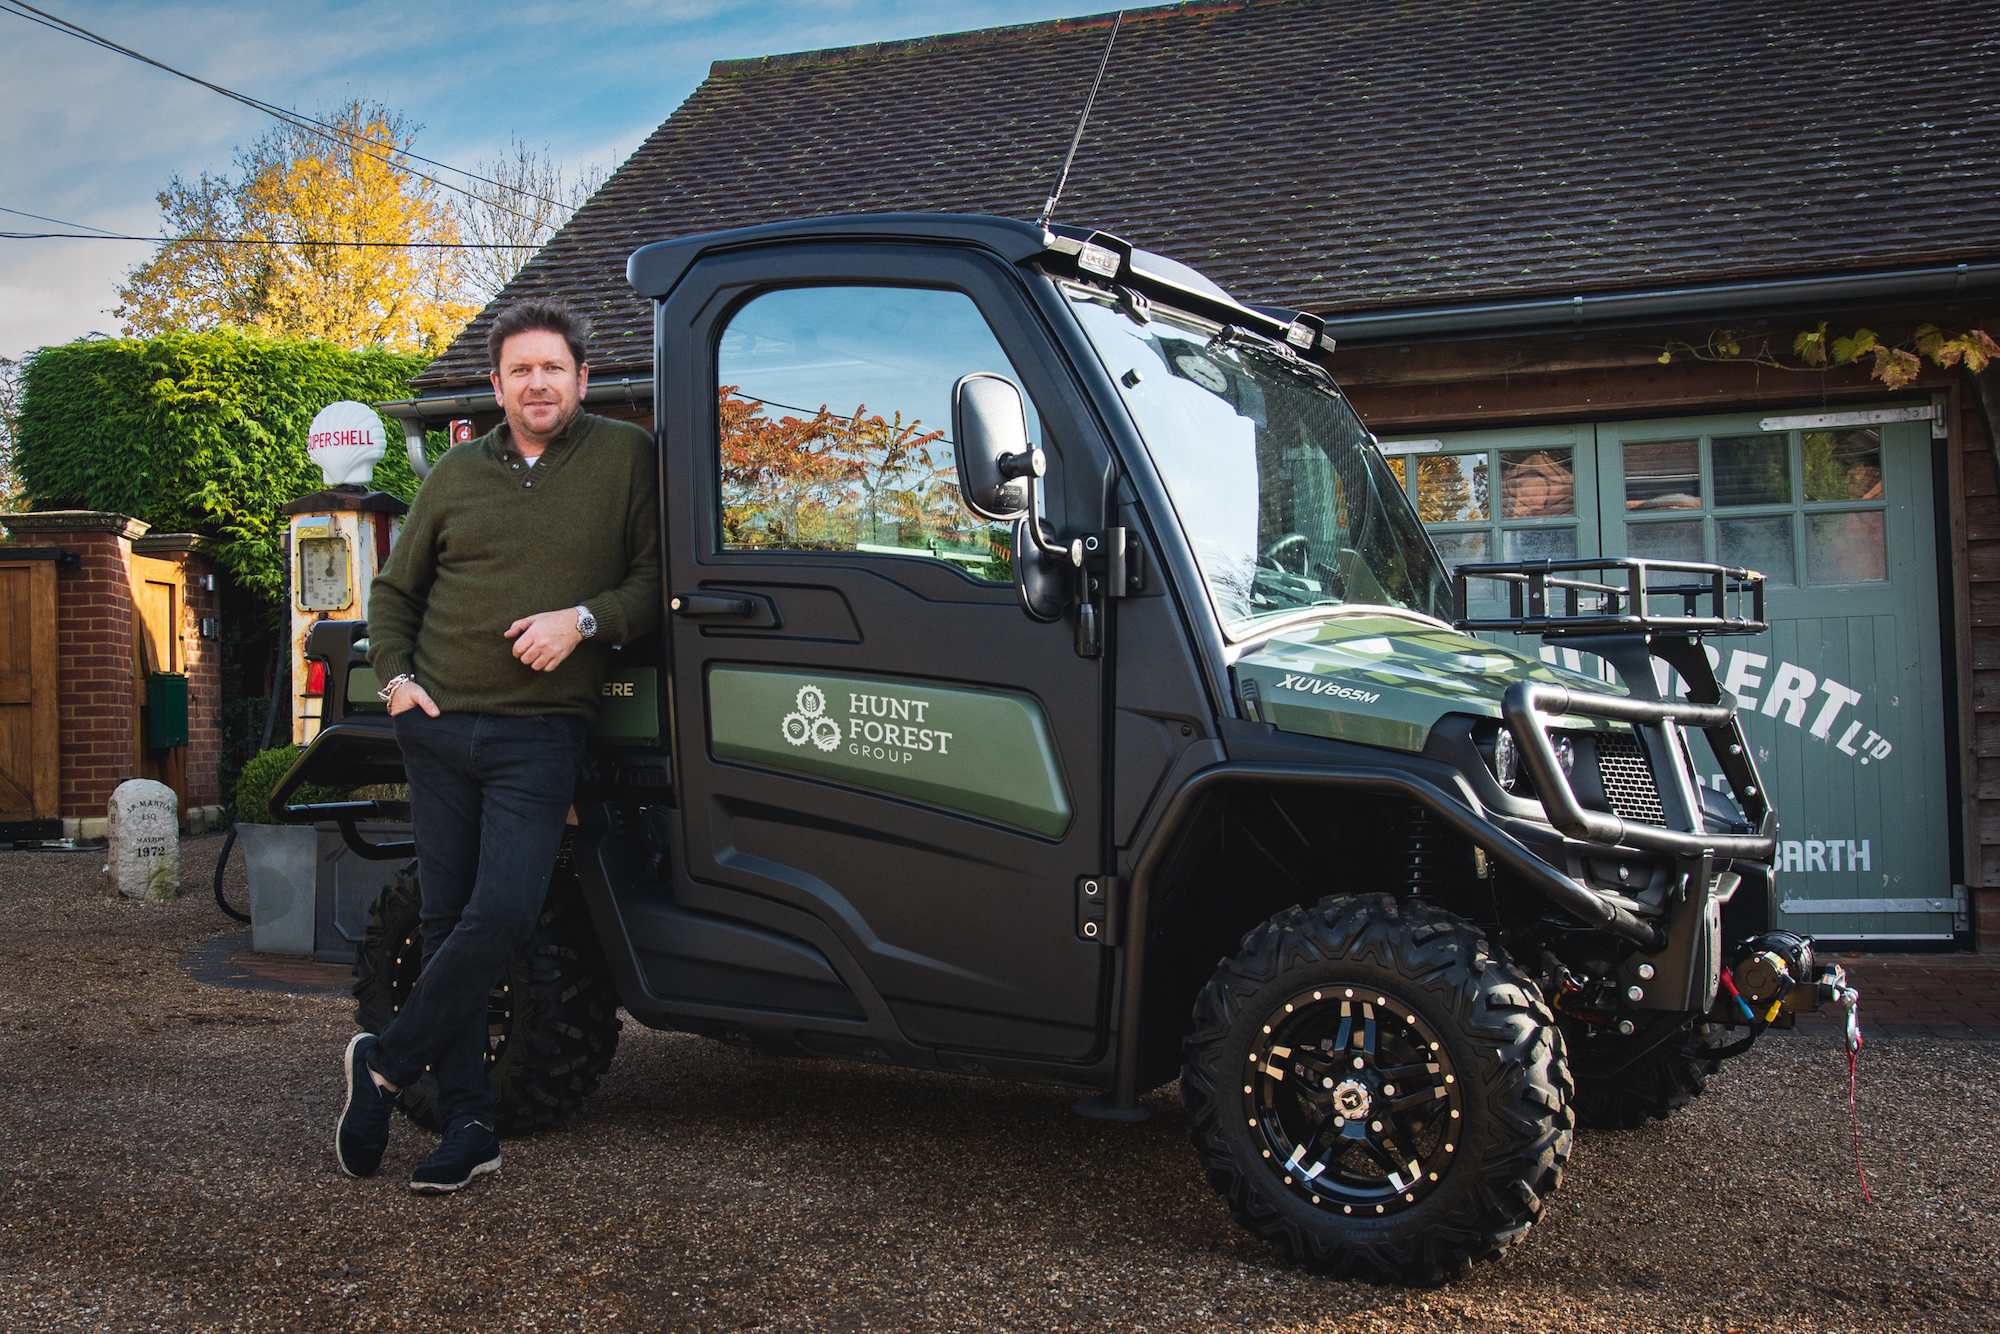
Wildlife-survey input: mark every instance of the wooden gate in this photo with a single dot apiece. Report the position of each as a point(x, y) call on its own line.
point(30, 774)
point(157, 609)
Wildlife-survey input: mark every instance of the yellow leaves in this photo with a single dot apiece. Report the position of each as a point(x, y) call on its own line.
point(301, 190)
point(1980, 349)
point(1810, 346)
point(1846, 350)
point(1666, 358)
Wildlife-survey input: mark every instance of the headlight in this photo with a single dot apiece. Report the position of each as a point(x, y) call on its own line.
point(1506, 759)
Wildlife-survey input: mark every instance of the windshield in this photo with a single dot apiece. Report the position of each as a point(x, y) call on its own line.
point(1284, 501)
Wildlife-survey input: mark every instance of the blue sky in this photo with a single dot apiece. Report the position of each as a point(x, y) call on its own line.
point(92, 136)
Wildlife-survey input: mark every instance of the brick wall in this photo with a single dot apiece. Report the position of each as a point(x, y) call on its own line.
point(97, 710)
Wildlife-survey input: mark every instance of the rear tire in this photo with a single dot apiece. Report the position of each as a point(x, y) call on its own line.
point(1652, 1088)
point(1405, 1139)
point(552, 1019)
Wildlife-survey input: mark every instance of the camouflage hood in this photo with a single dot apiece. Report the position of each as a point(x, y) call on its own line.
point(1387, 680)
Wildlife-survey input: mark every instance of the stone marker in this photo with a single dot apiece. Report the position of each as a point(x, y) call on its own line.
point(144, 856)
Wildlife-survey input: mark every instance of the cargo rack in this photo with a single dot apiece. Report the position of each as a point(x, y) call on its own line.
point(1553, 599)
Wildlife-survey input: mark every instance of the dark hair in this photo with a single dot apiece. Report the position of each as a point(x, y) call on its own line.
point(538, 312)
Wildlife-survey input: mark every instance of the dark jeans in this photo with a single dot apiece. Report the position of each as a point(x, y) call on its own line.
point(489, 795)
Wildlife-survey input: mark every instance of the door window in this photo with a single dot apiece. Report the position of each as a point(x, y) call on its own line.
point(834, 409)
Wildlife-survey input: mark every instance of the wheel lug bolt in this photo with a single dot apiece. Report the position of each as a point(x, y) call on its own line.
point(1357, 1063)
point(1374, 1125)
point(1326, 1083)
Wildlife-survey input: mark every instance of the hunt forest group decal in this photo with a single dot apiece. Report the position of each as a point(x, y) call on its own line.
point(984, 753)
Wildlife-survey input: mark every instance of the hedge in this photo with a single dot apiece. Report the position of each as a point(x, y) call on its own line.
point(199, 432)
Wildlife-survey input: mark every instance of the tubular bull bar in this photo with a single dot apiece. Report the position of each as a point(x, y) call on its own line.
point(1527, 702)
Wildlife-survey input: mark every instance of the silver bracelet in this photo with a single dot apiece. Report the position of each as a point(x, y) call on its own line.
point(387, 694)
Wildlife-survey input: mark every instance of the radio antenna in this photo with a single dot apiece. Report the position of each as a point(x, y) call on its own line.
point(1062, 177)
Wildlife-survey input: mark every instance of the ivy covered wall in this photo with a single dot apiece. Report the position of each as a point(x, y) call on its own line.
point(199, 432)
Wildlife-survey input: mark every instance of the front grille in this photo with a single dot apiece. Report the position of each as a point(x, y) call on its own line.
point(1628, 779)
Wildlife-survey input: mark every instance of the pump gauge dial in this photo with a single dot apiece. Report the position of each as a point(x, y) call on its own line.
point(326, 573)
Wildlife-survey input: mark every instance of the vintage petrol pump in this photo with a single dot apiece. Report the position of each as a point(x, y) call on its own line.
point(337, 540)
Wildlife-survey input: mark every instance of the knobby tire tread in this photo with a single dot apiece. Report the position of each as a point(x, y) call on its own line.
point(563, 1025)
point(1506, 1038)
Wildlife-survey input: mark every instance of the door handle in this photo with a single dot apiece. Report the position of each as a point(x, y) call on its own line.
point(705, 604)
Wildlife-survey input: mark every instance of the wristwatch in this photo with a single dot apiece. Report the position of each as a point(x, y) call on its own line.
point(586, 624)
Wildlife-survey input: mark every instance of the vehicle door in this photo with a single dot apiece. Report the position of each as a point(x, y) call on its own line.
point(867, 727)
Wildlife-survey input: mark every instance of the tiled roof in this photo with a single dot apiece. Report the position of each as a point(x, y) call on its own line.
point(1348, 154)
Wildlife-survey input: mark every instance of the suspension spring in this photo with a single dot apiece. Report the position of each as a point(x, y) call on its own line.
point(1424, 854)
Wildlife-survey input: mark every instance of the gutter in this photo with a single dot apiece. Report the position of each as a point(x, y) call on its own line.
point(416, 413)
point(1606, 310)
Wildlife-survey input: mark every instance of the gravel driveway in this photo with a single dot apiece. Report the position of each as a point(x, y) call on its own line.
point(165, 1158)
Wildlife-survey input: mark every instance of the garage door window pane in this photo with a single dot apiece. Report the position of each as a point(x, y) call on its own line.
point(1752, 469)
point(1764, 545)
point(1536, 483)
point(1451, 488)
point(1539, 543)
point(1843, 465)
point(1665, 541)
point(1846, 548)
point(1663, 475)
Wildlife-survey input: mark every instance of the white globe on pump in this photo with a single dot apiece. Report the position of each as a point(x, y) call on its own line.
point(345, 441)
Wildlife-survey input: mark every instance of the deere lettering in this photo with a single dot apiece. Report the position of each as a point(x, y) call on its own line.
point(1319, 685)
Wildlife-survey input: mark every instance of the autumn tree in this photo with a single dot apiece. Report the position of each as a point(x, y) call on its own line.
point(326, 232)
point(830, 482)
point(524, 200)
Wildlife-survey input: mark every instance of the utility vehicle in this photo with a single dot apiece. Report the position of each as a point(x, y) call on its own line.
point(1043, 626)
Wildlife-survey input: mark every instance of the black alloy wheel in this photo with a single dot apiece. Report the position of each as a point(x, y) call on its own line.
point(1355, 1099)
point(1376, 1092)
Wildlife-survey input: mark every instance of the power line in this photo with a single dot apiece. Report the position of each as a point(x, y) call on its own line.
point(293, 118)
point(249, 240)
point(101, 234)
point(59, 222)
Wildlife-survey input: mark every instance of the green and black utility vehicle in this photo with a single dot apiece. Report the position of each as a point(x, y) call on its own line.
point(1043, 625)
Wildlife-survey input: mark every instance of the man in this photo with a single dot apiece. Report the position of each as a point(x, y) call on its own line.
point(527, 550)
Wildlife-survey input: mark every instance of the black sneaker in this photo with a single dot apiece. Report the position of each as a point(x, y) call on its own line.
point(469, 1148)
point(363, 1131)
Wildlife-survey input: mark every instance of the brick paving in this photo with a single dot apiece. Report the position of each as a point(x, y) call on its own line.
point(1921, 996)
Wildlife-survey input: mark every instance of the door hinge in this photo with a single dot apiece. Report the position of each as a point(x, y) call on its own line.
point(1097, 909)
point(1114, 559)
point(1110, 564)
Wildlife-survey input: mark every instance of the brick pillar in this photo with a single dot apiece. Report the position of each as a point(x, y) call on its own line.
point(94, 627)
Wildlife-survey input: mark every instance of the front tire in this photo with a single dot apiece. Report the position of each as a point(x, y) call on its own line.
point(552, 1019)
point(1375, 1093)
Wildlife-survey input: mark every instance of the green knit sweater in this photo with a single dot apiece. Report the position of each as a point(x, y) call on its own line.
point(491, 539)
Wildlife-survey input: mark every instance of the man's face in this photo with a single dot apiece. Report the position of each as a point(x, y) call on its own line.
point(539, 384)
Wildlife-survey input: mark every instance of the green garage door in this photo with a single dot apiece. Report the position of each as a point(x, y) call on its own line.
point(1843, 699)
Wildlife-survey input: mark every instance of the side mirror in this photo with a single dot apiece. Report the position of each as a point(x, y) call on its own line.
point(989, 431)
